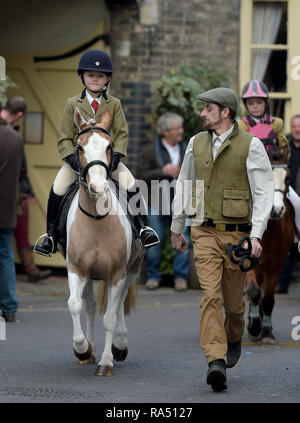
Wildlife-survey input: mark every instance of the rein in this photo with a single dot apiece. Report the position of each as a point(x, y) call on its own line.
point(83, 171)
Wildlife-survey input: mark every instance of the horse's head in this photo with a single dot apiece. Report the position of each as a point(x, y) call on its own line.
point(94, 150)
point(281, 176)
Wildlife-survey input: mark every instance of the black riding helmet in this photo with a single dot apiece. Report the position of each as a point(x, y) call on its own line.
point(95, 60)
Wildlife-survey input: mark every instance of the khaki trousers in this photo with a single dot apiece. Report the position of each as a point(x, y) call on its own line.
point(222, 283)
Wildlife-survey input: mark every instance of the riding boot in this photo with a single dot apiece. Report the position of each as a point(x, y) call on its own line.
point(34, 274)
point(147, 235)
point(49, 245)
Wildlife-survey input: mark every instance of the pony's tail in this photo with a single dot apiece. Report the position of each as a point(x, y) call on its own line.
point(130, 300)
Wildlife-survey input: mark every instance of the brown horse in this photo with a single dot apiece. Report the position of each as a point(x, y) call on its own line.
point(101, 246)
point(276, 243)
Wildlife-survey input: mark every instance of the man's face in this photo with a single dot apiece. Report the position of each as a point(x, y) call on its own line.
point(295, 128)
point(95, 81)
point(175, 134)
point(211, 115)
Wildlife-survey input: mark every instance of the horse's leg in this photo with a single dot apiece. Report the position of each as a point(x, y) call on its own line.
point(267, 303)
point(254, 295)
point(90, 308)
point(114, 293)
point(120, 342)
point(82, 348)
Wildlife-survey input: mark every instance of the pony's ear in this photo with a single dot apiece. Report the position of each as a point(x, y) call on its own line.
point(106, 119)
point(78, 119)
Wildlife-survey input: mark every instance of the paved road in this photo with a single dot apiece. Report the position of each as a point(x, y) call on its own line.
point(165, 363)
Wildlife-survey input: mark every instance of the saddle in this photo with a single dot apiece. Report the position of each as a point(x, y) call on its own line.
point(64, 209)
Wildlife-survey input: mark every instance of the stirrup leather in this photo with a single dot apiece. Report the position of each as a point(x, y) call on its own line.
point(39, 252)
point(154, 232)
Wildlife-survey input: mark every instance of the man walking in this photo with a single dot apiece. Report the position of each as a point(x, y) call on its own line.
point(235, 168)
point(12, 152)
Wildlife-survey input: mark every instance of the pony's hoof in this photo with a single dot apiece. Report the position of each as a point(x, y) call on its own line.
point(268, 340)
point(119, 355)
point(103, 371)
point(254, 328)
point(85, 358)
point(254, 338)
point(90, 360)
point(267, 336)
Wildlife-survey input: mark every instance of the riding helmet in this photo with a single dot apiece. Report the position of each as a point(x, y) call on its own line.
point(95, 60)
point(255, 88)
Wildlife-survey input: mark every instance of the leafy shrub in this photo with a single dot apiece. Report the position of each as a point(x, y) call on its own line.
point(177, 92)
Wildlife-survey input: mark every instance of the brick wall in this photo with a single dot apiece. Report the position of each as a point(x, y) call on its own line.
point(149, 37)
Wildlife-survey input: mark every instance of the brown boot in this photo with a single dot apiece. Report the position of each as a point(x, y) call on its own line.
point(32, 271)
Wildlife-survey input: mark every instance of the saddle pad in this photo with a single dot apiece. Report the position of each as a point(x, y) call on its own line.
point(65, 205)
point(62, 216)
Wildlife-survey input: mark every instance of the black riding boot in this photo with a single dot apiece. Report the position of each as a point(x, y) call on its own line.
point(49, 245)
point(147, 235)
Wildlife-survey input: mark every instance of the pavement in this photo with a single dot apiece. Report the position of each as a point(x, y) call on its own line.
point(165, 363)
point(57, 286)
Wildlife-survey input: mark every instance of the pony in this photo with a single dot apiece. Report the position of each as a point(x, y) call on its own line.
point(276, 243)
point(100, 246)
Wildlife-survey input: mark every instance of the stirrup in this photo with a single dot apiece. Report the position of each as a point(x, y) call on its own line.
point(49, 254)
point(152, 230)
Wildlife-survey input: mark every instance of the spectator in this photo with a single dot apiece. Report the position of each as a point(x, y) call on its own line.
point(12, 152)
point(12, 113)
point(161, 161)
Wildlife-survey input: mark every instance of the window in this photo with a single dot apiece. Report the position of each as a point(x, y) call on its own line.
point(269, 30)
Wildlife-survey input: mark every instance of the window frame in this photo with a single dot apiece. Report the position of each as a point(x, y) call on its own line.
point(292, 94)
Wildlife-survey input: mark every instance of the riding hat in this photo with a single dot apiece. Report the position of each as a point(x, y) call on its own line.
point(225, 97)
point(95, 60)
point(255, 88)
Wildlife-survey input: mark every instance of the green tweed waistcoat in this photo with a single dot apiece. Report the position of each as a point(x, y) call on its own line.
point(226, 186)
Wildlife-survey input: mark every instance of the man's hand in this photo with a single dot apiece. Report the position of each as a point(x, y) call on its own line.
point(171, 170)
point(178, 242)
point(256, 247)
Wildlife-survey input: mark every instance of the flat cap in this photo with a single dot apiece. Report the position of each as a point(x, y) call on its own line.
point(226, 97)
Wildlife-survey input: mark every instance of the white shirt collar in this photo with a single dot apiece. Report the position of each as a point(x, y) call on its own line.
point(223, 136)
point(90, 98)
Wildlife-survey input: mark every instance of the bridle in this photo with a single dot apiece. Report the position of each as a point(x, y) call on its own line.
point(83, 170)
point(283, 192)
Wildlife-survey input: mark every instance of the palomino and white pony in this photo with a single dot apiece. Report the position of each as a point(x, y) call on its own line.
point(276, 243)
point(100, 246)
